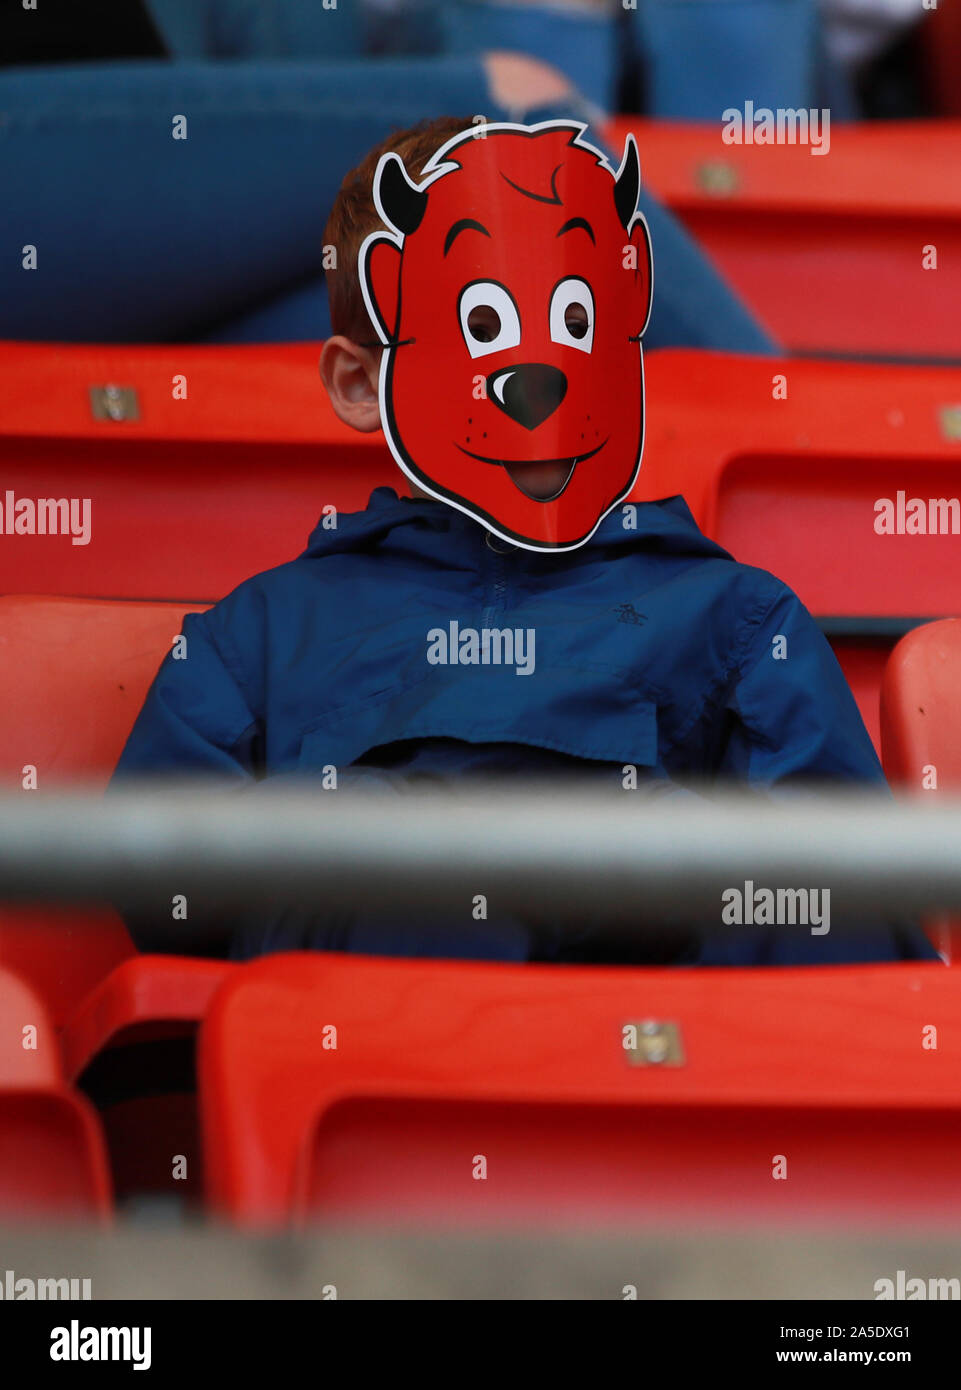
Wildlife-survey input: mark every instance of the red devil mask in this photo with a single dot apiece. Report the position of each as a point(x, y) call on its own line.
point(511, 295)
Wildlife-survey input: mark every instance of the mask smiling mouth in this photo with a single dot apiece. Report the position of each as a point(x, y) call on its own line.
point(542, 480)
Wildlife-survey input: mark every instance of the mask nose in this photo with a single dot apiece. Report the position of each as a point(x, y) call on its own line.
point(529, 393)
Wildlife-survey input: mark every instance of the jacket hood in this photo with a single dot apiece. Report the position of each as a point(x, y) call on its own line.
point(665, 525)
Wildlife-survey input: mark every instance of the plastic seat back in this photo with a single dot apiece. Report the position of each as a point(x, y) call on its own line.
point(463, 1093)
point(191, 488)
point(809, 470)
point(921, 729)
point(73, 675)
point(53, 1162)
point(852, 249)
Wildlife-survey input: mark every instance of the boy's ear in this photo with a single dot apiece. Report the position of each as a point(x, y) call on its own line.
point(380, 277)
point(350, 374)
point(642, 265)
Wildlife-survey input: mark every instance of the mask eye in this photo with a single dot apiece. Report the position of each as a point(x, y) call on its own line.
point(489, 319)
point(572, 315)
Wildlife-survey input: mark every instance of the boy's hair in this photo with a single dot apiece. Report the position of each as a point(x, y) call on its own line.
point(354, 216)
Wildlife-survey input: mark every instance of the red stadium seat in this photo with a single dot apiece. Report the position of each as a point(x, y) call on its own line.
point(921, 728)
point(53, 1162)
point(73, 676)
point(791, 485)
point(130, 1043)
point(828, 251)
point(470, 1093)
point(194, 493)
point(921, 709)
point(137, 1001)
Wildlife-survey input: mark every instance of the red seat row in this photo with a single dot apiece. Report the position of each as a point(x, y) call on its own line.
point(790, 464)
point(338, 1088)
point(851, 251)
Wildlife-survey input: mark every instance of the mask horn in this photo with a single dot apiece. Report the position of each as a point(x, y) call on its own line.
point(401, 203)
point(627, 183)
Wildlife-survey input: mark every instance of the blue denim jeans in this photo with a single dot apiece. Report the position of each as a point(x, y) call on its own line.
point(141, 237)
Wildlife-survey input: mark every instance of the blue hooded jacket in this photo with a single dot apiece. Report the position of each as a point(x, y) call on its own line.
point(649, 646)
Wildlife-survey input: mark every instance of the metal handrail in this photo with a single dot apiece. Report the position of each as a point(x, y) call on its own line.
point(549, 850)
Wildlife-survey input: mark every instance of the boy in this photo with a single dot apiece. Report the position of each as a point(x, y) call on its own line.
point(493, 289)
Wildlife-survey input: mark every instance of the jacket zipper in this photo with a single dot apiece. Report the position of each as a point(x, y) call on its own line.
point(499, 589)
